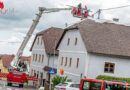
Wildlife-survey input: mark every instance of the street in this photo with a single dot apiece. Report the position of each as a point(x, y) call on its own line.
point(3, 86)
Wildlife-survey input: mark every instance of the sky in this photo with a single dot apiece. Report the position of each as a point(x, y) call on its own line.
point(15, 23)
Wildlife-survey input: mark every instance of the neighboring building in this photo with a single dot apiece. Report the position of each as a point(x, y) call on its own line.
point(95, 49)
point(5, 61)
point(43, 57)
point(26, 60)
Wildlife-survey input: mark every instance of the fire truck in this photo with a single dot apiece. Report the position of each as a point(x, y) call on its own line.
point(93, 84)
point(16, 78)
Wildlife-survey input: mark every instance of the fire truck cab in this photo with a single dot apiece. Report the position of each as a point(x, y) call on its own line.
point(16, 78)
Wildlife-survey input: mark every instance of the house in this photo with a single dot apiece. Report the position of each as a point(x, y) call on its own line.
point(44, 56)
point(91, 48)
point(6, 59)
point(26, 60)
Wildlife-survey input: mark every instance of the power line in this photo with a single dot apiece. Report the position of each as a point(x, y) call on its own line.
point(116, 7)
point(99, 11)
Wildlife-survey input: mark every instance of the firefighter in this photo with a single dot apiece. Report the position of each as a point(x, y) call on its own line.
point(74, 11)
point(85, 14)
point(79, 9)
point(80, 6)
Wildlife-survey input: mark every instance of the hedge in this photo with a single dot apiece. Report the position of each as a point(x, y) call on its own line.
point(105, 77)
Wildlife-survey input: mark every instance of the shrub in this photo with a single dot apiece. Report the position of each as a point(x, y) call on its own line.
point(105, 77)
point(57, 79)
point(69, 80)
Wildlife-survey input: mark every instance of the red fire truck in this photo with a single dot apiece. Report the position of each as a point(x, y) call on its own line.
point(93, 84)
point(16, 78)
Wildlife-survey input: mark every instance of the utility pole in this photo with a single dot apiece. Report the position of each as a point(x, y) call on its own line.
point(99, 13)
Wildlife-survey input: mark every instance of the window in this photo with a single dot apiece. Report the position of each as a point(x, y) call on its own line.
point(39, 57)
point(91, 85)
point(66, 61)
point(33, 57)
point(70, 62)
point(42, 58)
point(38, 40)
point(36, 58)
point(110, 86)
point(61, 61)
point(74, 85)
point(77, 65)
point(76, 39)
point(68, 41)
point(109, 67)
point(41, 41)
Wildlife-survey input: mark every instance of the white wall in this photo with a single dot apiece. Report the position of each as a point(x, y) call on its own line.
point(53, 61)
point(72, 51)
point(96, 65)
point(39, 49)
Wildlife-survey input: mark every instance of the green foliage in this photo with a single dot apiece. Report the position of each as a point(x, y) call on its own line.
point(57, 79)
point(69, 80)
point(26, 81)
point(104, 77)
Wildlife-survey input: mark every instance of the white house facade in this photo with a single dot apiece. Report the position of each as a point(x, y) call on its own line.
point(72, 55)
point(43, 57)
point(91, 49)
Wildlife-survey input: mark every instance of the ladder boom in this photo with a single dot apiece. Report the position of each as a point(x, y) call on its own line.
point(15, 61)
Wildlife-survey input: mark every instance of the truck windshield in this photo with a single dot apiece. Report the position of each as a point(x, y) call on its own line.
point(115, 87)
point(91, 85)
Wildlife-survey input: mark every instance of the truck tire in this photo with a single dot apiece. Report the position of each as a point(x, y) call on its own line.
point(20, 85)
point(8, 84)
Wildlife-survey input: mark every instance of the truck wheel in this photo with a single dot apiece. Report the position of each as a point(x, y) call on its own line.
point(20, 85)
point(10, 84)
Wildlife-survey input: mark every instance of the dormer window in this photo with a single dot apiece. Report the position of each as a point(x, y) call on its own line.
point(68, 41)
point(76, 40)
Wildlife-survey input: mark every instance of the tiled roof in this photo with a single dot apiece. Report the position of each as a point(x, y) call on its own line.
point(6, 59)
point(49, 37)
point(104, 38)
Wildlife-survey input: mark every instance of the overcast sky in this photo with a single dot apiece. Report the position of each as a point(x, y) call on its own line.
point(18, 19)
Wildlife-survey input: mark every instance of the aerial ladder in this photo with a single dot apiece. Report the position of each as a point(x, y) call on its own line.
point(16, 60)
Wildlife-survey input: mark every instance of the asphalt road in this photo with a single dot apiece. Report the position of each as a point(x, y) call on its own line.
point(3, 86)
